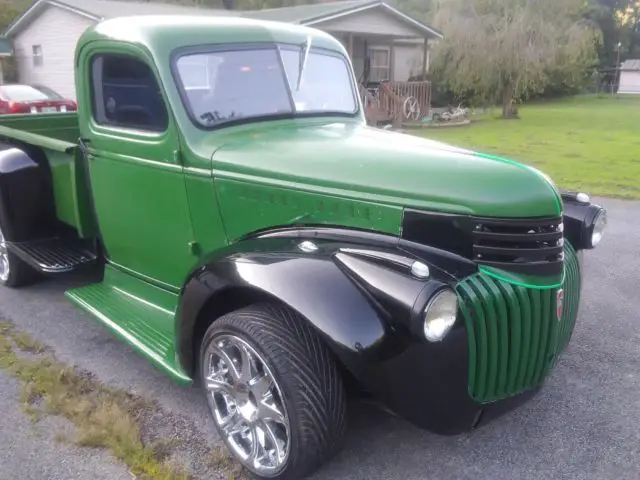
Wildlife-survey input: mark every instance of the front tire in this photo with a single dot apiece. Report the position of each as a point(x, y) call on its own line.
point(274, 391)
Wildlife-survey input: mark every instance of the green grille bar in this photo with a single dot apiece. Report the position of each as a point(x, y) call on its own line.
point(573, 285)
point(514, 335)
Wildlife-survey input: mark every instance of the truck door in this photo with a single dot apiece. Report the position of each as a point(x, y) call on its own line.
point(136, 184)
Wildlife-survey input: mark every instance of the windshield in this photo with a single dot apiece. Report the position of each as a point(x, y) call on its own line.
point(26, 93)
point(233, 85)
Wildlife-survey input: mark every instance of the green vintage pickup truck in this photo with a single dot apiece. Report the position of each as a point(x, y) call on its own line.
point(243, 228)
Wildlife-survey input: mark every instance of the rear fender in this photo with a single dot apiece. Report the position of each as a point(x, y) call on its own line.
point(26, 199)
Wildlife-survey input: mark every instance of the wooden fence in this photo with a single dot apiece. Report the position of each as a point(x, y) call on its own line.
point(397, 102)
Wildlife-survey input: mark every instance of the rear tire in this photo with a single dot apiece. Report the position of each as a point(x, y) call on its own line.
point(287, 408)
point(14, 272)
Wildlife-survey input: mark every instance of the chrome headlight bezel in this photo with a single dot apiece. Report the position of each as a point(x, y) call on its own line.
point(440, 315)
point(584, 222)
point(597, 228)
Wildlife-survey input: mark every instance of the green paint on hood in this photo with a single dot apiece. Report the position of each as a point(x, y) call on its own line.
point(368, 164)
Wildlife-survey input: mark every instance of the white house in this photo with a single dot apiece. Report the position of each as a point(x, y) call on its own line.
point(630, 77)
point(396, 45)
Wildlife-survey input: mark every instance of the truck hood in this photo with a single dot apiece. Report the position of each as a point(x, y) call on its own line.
point(353, 160)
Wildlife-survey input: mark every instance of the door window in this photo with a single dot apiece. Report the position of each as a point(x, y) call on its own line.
point(126, 94)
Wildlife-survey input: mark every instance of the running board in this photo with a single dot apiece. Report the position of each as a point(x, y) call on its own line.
point(55, 255)
point(138, 313)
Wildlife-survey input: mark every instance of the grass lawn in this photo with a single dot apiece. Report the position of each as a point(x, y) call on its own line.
point(586, 143)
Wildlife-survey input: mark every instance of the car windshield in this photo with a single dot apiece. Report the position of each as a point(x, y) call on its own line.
point(225, 86)
point(25, 93)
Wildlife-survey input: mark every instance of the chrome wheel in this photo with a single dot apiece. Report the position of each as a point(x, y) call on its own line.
point(247, 404)
point(4, 259)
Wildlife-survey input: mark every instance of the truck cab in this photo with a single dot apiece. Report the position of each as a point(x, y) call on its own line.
point(244, 229)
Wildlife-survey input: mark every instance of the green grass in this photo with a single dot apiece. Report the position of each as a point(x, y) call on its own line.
point(587, 143)
point(104, 417)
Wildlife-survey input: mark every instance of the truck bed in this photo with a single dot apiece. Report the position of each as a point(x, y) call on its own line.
point(50, 130)
point(54, 136)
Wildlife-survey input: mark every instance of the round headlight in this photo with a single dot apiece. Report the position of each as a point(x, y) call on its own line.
point(599, 226)
point(440, 315)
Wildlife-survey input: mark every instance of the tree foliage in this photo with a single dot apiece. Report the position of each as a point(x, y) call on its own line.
point(629, 19)
point(500, 49)
point(9, 9)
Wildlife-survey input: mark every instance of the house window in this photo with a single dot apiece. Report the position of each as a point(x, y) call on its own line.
point(37, 55)
point(126, 94)
point(380, 64)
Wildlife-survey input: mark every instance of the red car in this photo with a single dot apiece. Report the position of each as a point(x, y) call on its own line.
point(15, 98)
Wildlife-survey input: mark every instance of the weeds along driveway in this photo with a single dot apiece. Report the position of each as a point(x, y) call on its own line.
point(580, 426)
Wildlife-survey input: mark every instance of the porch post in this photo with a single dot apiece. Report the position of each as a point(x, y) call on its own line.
point(350, 46)
point(425, 58)
point(392, 61)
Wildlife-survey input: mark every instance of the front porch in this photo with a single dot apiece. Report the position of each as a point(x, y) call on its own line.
point(390, 55)
point(391, 74)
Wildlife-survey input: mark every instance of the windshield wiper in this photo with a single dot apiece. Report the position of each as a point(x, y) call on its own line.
point(304, 54)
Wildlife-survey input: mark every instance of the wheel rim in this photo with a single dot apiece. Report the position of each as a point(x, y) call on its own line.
point(411, 108)
point(247, 404)
point(4, 259)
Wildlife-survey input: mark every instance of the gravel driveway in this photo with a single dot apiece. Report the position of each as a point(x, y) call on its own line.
point(583, 425)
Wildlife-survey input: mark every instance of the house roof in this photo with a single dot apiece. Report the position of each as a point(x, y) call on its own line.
point(321, 12)
point(301, 14)
point(632, 64)
point(5, 47)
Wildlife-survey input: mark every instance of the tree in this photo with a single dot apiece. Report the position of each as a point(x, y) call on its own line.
point(630, 24)
point(420, 9)
point(9, 9)
point(498, 49)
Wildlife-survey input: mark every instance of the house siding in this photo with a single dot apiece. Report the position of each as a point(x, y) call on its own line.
point(57, 31)
point(407, 57)
point(629, 82)
point(408, 61)
point(369, 21)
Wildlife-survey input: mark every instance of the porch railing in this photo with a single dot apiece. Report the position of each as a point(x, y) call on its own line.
point(397, 102)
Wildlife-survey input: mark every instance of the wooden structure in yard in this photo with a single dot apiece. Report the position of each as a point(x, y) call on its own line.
point(396, 103)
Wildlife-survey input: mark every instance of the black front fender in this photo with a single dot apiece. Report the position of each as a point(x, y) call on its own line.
point(363, 301)
point(314, 287)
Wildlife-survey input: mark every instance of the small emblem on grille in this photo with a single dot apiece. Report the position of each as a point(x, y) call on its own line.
point(560, 304)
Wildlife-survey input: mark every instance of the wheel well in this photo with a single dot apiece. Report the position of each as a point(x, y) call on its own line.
point(219, 304)
point(27, 198)
point(235, 298)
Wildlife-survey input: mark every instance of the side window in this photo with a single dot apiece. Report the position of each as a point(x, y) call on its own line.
point(126, 94)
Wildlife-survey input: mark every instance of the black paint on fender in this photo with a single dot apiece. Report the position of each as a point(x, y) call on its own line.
point(357, 291)
point(27, 207)
point(311, 284)
point(339, 281)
